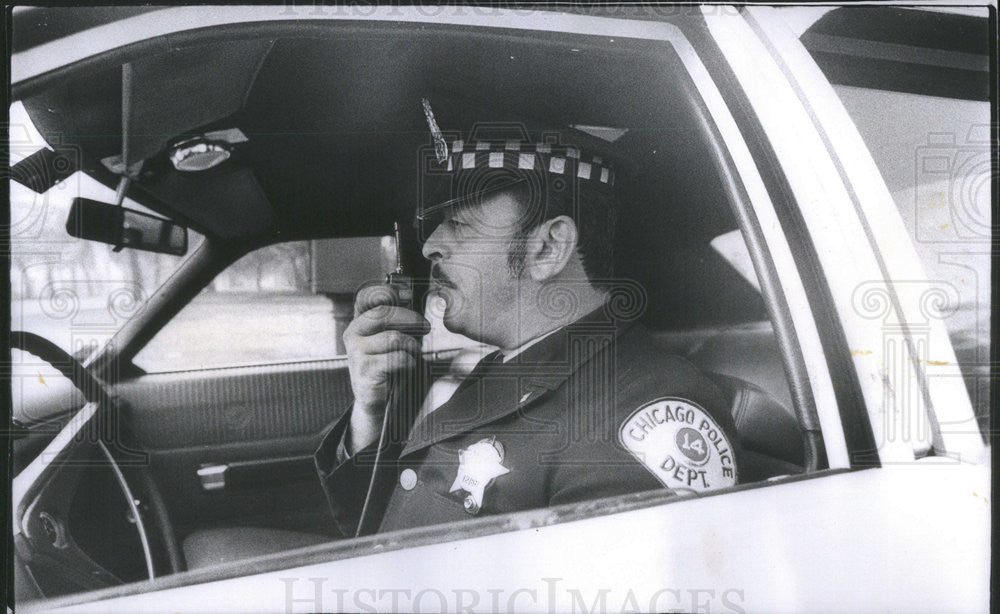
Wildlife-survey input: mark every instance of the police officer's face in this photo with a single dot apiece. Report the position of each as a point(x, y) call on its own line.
point(469, 263)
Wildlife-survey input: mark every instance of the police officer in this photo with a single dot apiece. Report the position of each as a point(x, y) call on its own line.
point(579, 402)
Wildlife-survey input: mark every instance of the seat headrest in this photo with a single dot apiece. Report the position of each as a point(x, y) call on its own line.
point(764, 425)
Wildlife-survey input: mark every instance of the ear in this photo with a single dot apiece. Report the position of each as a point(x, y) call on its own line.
point(550, 247)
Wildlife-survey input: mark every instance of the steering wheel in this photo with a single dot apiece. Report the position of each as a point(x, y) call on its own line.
point(42, 490)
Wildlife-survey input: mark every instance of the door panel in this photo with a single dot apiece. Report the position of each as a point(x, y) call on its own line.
point(264, 422)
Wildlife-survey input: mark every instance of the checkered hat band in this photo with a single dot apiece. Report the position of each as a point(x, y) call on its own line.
point(559, 160)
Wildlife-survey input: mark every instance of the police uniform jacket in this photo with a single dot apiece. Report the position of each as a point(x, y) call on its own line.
point(595, 409)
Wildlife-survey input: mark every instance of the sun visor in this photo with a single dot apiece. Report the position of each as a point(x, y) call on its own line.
point(231, 204)
point(186, 89)
point(45, 168)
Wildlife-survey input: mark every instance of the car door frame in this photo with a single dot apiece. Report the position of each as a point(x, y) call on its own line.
point(850, 217)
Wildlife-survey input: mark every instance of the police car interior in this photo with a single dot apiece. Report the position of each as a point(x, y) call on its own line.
point(319, 132)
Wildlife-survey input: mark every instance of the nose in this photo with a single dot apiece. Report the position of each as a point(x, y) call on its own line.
point(434, 248)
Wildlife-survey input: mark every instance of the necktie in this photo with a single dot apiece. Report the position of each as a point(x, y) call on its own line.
point(493, 358)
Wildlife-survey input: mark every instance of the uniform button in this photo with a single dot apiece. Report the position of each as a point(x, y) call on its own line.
point(408, 479)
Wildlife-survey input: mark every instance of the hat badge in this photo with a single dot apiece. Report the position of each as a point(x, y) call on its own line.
point(440, 146)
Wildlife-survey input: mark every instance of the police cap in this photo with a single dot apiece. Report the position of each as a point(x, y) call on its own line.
point(474, 169)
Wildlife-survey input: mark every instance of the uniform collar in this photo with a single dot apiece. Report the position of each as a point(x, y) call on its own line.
point(509, 355)
point(529, 375)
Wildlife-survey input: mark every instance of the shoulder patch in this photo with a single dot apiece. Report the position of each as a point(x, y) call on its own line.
point(681, 444)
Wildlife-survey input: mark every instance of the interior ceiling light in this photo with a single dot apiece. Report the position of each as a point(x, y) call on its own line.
point(206, 151)
point(199, 154)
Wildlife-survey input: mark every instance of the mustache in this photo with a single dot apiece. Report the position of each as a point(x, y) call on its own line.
point(439, 277)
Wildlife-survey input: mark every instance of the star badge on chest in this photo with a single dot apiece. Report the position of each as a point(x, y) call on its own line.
point(478, 466)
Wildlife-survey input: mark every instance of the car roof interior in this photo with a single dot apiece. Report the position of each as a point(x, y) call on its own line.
point(335, 130)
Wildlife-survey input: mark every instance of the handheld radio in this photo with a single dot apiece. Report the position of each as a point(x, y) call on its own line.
point(397, 279)
point(402, 287)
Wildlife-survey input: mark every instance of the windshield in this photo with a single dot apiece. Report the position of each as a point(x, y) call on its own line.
point(74, 292)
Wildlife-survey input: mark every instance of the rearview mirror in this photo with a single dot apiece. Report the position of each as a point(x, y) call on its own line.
point(120, 226)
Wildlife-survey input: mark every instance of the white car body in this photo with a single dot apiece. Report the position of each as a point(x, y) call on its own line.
point(910, 535)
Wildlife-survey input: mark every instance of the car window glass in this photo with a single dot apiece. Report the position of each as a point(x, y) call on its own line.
point(282, 303)
point(259, 310)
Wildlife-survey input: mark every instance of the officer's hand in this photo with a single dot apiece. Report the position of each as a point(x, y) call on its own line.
point(381, 340)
